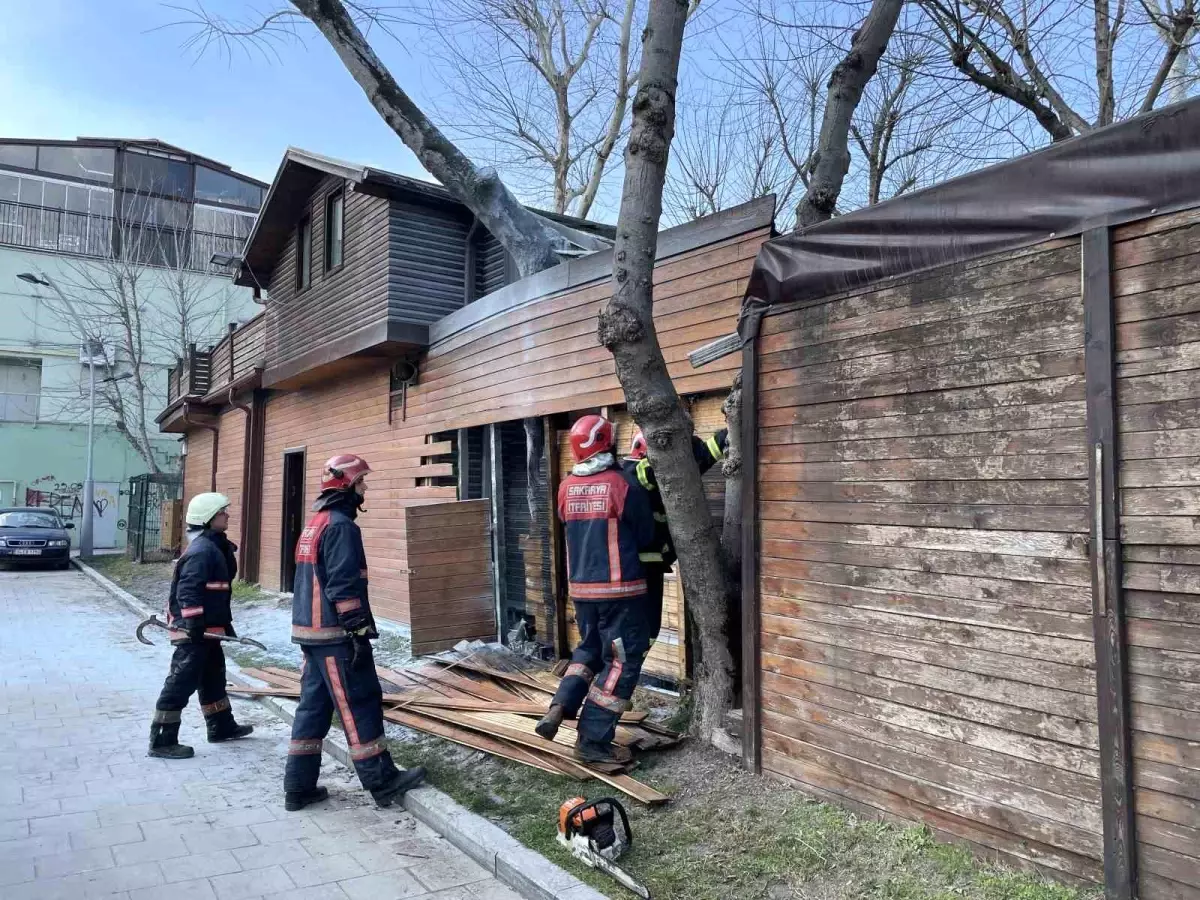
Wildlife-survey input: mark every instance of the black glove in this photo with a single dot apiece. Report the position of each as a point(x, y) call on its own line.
point(722, 437)
point(195, 631)
point(361, 655)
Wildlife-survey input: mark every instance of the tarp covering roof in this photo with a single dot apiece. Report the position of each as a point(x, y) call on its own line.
point(1137, 168)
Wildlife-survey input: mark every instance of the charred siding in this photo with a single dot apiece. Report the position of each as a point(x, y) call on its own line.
point(427, 250)
point(492, 269)
point(339, 302)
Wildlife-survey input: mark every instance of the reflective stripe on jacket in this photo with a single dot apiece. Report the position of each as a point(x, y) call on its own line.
point(329, 599)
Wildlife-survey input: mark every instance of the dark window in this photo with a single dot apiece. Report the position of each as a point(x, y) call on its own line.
point(54, 196)
point(22, 155)
point(91, 163)
point(225, 189)
point(157, 175)
point(142, 210)
point(31, 191)
point(10, 186)
point(153, 246)
point(334, 230)
point(304, 254)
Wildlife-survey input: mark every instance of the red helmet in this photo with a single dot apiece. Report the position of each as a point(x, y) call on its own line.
point(637, 447)
point(343, 471)
point(591, 435)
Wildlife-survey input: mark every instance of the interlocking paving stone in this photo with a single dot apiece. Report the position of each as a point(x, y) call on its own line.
point(85, 813)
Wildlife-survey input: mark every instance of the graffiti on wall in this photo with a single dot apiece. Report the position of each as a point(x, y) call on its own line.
point(66, 499)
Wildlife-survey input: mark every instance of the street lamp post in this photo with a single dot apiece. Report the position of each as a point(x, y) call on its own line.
point(85, 529)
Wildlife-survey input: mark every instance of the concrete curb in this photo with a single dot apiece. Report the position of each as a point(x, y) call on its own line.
point(528, 873)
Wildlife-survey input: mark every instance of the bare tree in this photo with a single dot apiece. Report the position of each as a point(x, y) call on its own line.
point(145, 304)
point(724, 155)
point(626, 327)
point(1069, 66)
point(540, 88)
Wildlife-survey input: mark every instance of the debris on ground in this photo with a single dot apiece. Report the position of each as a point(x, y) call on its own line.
point(485, 697)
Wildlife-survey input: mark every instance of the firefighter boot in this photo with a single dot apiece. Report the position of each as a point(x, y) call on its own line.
point(294, 801)
point(549, 724)
point(603, 754)
point(222, 728)
point(164, 742)
point(401, 782)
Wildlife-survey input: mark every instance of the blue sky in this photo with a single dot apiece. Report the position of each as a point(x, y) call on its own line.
point(106, 68)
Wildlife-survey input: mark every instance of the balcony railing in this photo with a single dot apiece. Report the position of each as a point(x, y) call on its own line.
point(232, 358)
point(85, 234)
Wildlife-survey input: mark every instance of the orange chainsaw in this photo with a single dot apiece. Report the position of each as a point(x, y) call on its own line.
point(590, 831)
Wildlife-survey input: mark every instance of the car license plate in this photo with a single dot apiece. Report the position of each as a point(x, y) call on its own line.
point(26, 551)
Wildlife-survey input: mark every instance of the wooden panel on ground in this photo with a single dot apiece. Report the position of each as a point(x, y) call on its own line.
point(444, 614)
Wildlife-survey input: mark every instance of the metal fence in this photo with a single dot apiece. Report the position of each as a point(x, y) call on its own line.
point(155, 517)
point(88, 234)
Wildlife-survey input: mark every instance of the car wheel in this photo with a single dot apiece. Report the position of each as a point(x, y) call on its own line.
point(65, 564)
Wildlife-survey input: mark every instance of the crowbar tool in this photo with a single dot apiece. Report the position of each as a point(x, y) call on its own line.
point(159, 623)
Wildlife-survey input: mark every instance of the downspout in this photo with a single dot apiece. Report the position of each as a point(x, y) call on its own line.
point(188, 420)
point(748, 327)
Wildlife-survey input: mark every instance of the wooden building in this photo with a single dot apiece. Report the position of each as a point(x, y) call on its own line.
point(395, 329)
point(972, 595)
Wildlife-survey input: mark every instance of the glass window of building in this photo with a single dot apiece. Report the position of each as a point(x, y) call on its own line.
point(156, 175)
point(89, 163)
point(334, 228)
point(21, 155)
point(225, 189)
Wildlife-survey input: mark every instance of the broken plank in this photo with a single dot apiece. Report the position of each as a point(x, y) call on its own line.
point(472, 739)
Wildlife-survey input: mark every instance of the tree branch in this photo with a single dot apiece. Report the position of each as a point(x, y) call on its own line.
point(525, 235)
point(846, 84)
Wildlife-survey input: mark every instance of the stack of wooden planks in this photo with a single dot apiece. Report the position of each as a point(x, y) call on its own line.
point(477, 704)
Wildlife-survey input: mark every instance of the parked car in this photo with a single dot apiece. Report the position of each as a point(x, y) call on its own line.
point(37, 536)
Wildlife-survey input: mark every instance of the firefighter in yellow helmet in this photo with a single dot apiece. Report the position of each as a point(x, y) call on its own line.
point(199, 604)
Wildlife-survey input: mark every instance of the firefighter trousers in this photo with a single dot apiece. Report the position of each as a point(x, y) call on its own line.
point(197, 666)
point(604, 670)
point(328, 683)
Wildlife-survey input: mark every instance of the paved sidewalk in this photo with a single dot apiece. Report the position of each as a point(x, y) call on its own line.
point(85, 813)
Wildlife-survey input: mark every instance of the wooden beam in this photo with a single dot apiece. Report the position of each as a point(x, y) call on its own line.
point(1108, 614)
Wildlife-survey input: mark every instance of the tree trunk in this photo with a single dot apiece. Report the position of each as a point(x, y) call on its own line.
point(626, 328)
point(846, 84)
point(731, 527)
point(524, 234)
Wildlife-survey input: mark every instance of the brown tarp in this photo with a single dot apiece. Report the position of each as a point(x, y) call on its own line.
point(1137, 168)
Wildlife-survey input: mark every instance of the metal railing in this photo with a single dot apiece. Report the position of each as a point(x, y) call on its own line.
point(234, 356)
point(86, 234)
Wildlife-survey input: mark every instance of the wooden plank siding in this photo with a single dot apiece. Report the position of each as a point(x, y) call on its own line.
point(339, 302)
point(926, 638)
point(231, 455)
point(197, 464)
point(1157, 296)
point(473, 379)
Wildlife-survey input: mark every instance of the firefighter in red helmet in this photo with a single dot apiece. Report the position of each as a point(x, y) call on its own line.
point(658, 558)
point(332, 623)
point(608, 521)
